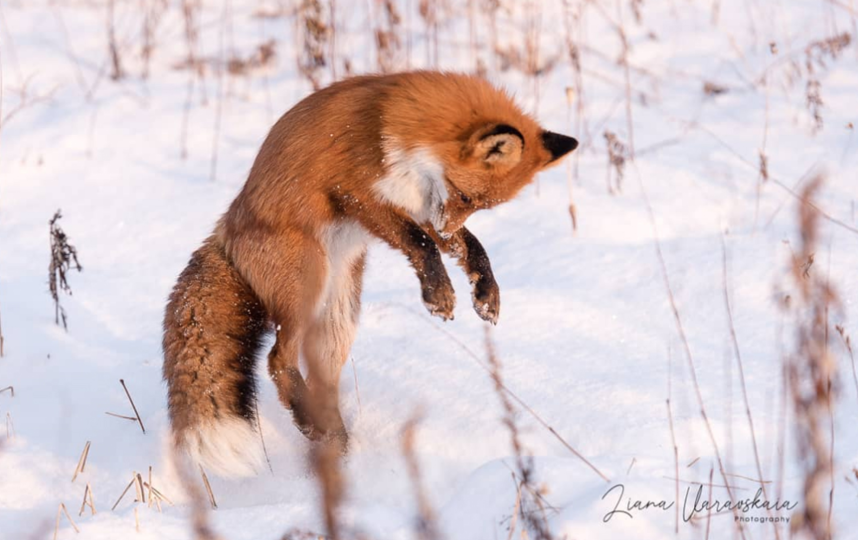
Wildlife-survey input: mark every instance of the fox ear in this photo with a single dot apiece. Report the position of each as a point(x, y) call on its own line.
point(498, 145)
point(558, 145)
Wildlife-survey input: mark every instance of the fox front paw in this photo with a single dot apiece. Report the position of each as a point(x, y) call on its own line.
point(486, 298)
point(440, 300)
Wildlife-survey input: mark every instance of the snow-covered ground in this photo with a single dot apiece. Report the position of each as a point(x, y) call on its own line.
point(587, 337)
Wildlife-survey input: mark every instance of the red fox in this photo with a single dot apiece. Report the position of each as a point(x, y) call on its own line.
point(405, 158)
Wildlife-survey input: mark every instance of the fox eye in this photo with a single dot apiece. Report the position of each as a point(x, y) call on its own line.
point(465, 198)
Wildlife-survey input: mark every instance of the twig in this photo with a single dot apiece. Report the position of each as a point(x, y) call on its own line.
point(846, 341)
point(261, 437)
point(740, 364)
point(60, 511)
point(673, 439)
point(81, 463)
point(10, 426)
point(121, 416)
point(426, 528)
point(709, 513)
point(515, 509)
point(357, 388)
point(131, 483)
point(158, 494)
point(506, 389)
point(208, 488)
point(11, 390)
point(681, 330)
point(127, 393)
point(91, 502)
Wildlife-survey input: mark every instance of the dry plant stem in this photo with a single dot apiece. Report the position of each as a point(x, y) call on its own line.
point(735, 341)
point(524, 465)
point(158, 494)
point(628, 84)
point(357, 388)
point(10, 426)
point(847, 342)
point(121, 416)
point(811, 371)
point(81, 463)
point(790, 191)
point(515, 509)
point(673, 440)
point(506, 389)
point(688, 355)
point(219, 105)
point(87, 501)
point(131, 483)
point(199, 511)
point(709, 513)
point(261, 437)
point(136, 520)
point(115, 62)
point(60, 511)
point(208, 486)
point(133, 406)
point(63, 259)
point(10, 389)
point(426, 526)
point(326, 462)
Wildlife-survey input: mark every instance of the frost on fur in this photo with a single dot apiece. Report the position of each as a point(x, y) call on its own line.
point(228, 448)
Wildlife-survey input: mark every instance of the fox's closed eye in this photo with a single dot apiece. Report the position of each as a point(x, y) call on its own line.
point(465, 199)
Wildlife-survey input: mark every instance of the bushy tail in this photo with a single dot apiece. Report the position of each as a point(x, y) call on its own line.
point(213, 327)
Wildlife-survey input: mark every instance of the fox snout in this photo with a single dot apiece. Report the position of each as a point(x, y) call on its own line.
point(558, 145)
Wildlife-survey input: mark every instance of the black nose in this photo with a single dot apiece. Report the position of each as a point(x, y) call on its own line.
point(559, 145)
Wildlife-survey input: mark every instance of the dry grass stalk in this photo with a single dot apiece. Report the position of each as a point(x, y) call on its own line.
point(524, 465)
point(131, 483)
point(631, 464)
point(63, 259)
point(81, 463)
point(847, 342)
point(116, 71)
point(427, 528)
point(816, 54)
point(357, 388)
point(136, 519)
point(157, 493)
point(60, 511)
point(139, 491)
point(429, 10)
point(541, 421)
point(388, 42)
point(687, 348)
point(208, 487)
point(10, 389)
point(199, 509)
point(315, 34)
point(87, 501)
point(673, 437)
point(735, 341)
point(714, 89)
point(133, 406)
point(121, 416)
point(617, 154)
point(10, 426)
point(812, 371)
point(709, 513)
point(326, 462)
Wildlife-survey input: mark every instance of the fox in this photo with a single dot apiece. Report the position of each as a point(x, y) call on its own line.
point(404, 158)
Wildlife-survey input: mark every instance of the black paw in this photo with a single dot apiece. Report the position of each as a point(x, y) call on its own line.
point(486, 298)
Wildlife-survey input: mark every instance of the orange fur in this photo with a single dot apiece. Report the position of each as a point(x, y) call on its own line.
point(405, 158)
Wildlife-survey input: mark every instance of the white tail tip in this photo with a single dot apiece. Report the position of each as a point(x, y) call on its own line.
point(229, 448)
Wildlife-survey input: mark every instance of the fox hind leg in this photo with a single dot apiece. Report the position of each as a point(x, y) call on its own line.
point(329, 340)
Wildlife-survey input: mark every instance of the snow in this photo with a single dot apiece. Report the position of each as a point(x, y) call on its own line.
point(586, 335)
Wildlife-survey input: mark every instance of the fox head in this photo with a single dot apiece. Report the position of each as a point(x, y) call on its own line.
point(454, 144)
